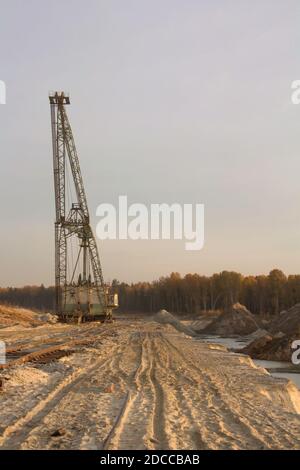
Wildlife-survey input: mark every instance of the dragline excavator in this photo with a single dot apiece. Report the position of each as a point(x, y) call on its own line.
point(80, 292)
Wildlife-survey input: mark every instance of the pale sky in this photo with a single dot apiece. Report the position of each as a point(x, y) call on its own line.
point(172, 101)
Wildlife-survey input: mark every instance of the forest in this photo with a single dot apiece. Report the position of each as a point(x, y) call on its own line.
point(192, 293)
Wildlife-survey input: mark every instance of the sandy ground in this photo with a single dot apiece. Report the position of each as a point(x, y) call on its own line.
point(143, 385)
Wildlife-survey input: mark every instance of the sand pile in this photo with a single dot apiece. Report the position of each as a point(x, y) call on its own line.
point(255, 335)
point(287, 321)
point(165, 317)
point(204, 320)
point(276, 344)
point(257, 345)
point(48, 318)
point(235, 321)
point(12, 316)
point(272, 347)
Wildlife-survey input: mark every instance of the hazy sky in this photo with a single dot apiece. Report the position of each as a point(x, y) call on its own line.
point(172, 101)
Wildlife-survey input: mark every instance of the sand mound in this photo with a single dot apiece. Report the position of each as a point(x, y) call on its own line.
point(272, 347)
point(48, 318)
point(259, 344)
point(204, 320)
point(275, 345)
point(235, 321)
point(256, 335)
point(287, 321)
point(165, 317)
point(12, 316)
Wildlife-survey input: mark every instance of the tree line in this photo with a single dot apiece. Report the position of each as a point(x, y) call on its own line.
point(191, 293)
point(35, 297)
point(194, 293)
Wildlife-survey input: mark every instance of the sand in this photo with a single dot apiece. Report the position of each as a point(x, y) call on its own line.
point(288, 321)
point(237, 320)
point(166, 318)
point(272, 348)
point(145, 385)
point(16, 317)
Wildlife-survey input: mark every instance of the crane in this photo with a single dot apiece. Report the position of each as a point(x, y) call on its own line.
point(80, 292)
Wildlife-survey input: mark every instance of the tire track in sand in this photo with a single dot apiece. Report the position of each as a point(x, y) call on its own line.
point(178, 413)
point(17, 433)
point(234, 426)
point(140, 423)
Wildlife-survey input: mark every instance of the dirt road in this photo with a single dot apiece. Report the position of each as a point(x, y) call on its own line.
point(143, 385)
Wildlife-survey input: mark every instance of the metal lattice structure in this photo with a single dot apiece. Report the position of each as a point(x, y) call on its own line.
point(86, 297)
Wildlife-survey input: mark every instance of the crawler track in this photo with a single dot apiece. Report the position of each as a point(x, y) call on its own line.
point(49, 353)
